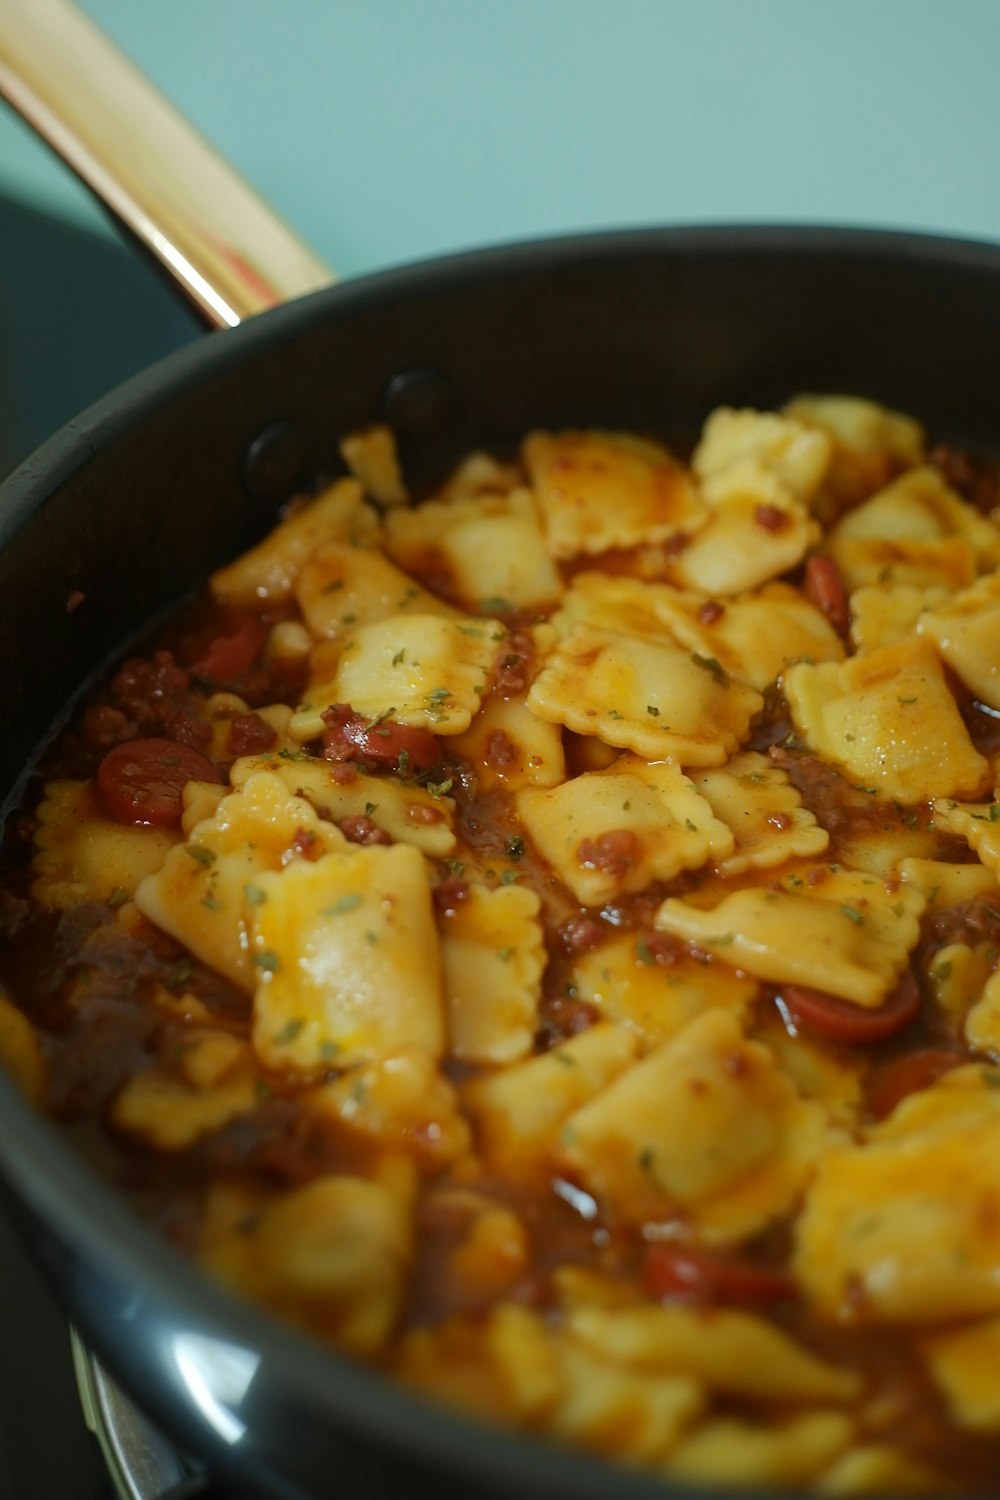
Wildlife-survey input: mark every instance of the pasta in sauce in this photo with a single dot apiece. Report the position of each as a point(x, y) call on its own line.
point(544, 940)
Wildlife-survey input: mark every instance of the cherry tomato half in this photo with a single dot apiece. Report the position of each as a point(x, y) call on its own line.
point(143, 781)
point(231, 653)
point(907, 1074)
point(836, 1020)
point(672, 1273)
point(824, 587)
point(350, 736)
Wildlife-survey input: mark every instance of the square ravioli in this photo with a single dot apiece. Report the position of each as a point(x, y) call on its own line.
point(917, 530)
point(840, 931)
point(83, 855)
point(756, 800)
point(870, 444)
point(361, 806)
point(889, 721)
point(779, 448)
point(925, 1176)
point(654, 993)
point(206, 889)
point(650, 696)
point(599, 490)
point(347, 960)
point(268, 572)
point(754, 535)
point(426, 671)
point(494, 956)
point(608, 832)
point(706, 1125)
point(965, 630)
point(755, 636)
point(478, 551)
point(346, 584)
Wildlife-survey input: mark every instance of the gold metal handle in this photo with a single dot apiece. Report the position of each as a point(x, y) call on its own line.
point(228, 251)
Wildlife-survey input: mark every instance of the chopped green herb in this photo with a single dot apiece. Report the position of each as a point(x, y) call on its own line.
point(254, 895)
point(645, 1159)
point(328, 1050)
point(344, 904)
point(440, 788)
point(509, 877)
point(515, 847)
point(906, 700)
point(332, 586)
point(713, 665)
point(497, 604)
point(653, 712)
point(118, 897)
point(439, 694)
point(941, 972)
point(289, 1031)
point(561, 1057)
point(994, 812)
point(455, 866)
point(399, 657)
point(643, 951)
point(181, 973)
point(268, 961)
point(505, 954)
point(852, 914)
point(370, 808)
point(692, 826)
point(613, 713)
point(211, 902)
point(200, 854)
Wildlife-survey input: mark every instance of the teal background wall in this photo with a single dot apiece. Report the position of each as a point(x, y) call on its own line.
point(390, 129)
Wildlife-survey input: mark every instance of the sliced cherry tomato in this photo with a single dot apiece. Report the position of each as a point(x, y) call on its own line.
point(824, 587)
point(907, 1074)
point(231, 653)
point(837, 1020)
point(143, 781)
point(350, 736)
point(675, 1274)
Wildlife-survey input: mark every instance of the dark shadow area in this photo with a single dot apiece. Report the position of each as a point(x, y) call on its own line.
point(78, 314)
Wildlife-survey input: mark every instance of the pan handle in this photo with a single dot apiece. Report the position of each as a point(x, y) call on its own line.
point(221, 244)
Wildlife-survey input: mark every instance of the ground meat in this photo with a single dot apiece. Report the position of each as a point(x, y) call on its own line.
point(360, 829)
point(450, 894)
point(563, 1017)
point(976, 478)
point(976, 921)
point(615, 853)
point(838, 807)
point(580, 934)
point(513, 674)
point(104, 726)
point(771, 517)
point(500, 749)
point(188, 729)
point(149, 690)
point(249, 734)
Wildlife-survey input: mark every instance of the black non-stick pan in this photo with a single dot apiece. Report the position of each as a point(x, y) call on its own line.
point(132, 504)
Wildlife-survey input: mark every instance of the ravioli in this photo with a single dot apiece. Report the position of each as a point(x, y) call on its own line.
point(888, 720)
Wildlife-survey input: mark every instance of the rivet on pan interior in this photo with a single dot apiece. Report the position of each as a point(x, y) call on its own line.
point(275, 462)
point(418, 399)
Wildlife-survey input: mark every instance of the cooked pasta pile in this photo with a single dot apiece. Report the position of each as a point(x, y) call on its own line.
point(544, 940)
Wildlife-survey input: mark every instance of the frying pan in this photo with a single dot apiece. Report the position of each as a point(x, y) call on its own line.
point(132, 504)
